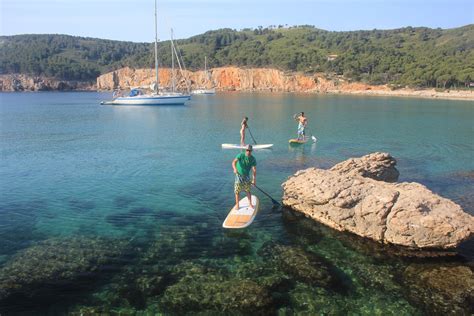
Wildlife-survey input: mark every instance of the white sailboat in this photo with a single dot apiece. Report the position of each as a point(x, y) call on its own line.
point(208, 78)
point(139, 97)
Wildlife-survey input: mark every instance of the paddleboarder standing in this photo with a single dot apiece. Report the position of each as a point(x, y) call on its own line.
point(302, 122)
point(243, 126)
point(242, 164)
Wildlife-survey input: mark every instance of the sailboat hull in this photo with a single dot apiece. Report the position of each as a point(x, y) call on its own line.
point(152, 100)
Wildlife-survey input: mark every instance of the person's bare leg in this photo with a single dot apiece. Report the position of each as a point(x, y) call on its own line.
point(236, 201)
point(249, 196)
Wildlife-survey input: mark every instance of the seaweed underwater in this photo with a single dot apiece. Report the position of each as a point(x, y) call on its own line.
point(190, 269)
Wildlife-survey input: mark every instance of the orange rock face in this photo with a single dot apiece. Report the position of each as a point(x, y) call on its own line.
point(224, 79)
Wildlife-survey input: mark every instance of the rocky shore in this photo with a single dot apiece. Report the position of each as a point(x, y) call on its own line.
point(23, 83)
point(361, 196)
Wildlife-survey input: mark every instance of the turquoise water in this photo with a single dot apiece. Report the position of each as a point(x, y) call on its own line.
point(154, 183)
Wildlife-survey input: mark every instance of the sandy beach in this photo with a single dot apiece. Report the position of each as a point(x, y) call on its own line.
point(466, 95)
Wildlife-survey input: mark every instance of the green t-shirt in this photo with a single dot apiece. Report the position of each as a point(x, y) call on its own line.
point(244, 164)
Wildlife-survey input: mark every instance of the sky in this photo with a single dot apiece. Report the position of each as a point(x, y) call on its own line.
point(134, 20)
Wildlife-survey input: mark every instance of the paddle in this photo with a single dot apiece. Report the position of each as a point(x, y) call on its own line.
point(251, 135)
point(312, 136)
point(275, 202)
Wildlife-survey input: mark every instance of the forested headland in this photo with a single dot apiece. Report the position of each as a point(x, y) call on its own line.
point(414, 57)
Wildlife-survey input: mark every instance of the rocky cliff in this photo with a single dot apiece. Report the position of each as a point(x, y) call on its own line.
point(223, 79)
point(20, 82)
point(231, 79)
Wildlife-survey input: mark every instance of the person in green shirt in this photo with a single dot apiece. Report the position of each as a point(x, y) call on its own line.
point(242, 164)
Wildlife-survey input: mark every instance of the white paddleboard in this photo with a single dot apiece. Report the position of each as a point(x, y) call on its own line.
point(237, 146)
point(244, 216)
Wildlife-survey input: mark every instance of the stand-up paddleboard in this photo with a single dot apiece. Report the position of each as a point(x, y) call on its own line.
point(297, 141)
point(237, 146)
point(244, 216)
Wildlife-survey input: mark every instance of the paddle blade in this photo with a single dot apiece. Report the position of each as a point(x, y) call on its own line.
point(314, 139)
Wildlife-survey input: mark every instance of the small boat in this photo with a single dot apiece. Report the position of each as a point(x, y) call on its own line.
point(210, 91)
point(204, 91)
point(157, 97)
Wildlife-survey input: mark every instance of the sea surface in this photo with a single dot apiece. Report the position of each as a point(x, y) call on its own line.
point(120, 208)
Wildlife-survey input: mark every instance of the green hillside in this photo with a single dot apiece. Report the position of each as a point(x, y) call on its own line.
point(67, 57)
point(419, 57)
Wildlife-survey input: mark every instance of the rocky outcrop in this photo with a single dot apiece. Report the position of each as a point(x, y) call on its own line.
point(404, 214)
point(19, 82)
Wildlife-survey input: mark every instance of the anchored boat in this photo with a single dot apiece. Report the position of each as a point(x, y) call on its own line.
point(157, 97)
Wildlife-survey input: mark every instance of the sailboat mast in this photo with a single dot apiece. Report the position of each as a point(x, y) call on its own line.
point(156, 52)
point(173, 84)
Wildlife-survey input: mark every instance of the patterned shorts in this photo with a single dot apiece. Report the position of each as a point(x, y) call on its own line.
point(301, 129)
point(242, 183)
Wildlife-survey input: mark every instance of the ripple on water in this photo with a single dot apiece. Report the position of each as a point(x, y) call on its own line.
point(80, 205)
point(207, 191)
point(123, 201)
point(132, 217)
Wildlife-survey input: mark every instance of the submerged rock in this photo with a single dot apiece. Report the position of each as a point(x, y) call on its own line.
point(442, 290)
point(301, 265)
point(404, 214)
point(56, 262)
point(214, 292)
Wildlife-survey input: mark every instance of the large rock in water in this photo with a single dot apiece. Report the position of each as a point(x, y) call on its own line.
point(405, 214)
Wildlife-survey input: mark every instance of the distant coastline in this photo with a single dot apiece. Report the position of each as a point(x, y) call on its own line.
point(228, 79)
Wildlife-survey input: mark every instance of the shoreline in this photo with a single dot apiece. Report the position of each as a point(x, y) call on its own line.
point(455, 95)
